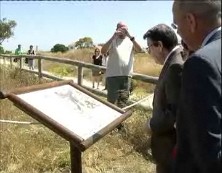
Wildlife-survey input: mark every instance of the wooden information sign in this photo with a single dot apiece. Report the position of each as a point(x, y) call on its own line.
point(71, 111)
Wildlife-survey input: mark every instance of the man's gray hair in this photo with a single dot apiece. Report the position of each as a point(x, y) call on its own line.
point(207, 9)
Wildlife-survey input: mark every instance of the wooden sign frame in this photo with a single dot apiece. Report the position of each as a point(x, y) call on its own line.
point(77, 144)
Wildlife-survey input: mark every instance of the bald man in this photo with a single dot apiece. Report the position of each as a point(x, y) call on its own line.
point(199, 115)
point(120, 65)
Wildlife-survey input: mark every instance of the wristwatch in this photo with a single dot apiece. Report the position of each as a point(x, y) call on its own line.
point(132, 38)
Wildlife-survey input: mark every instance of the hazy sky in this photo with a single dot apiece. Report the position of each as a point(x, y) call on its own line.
point(46, 23)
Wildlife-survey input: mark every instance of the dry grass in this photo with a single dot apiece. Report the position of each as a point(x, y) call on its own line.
point(83, 55)
point(35, 149)
point(76, 54)
point(143, 64)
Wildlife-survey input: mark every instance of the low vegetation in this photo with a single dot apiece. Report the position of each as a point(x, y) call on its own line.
point(143, 63)
point(36, 149)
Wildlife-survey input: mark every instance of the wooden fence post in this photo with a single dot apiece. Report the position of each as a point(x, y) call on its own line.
point(20, 62)
point(40, 67)
point(10, 61)
point(80, 75)
point(76, 159)
point(4, 61)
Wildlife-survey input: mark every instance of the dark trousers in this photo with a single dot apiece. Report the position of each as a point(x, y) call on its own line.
point(164, 168)
point(118, 90)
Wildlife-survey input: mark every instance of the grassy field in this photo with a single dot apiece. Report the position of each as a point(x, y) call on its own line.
point(143, 64)
point(36, 149)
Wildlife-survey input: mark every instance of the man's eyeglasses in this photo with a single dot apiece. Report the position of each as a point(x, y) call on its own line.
point(174, 26)
point(148, 48)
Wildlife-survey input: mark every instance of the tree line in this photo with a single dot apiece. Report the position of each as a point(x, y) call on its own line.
point(7, 30)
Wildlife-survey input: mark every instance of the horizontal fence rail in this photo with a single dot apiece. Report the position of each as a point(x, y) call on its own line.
point(79, 64)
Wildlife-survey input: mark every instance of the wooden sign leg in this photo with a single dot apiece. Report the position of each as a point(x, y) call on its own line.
point(76, 160)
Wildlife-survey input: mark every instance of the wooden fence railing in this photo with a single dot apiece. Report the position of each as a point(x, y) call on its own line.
point(80, 66)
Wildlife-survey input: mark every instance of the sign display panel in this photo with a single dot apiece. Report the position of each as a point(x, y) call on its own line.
point(72, 109)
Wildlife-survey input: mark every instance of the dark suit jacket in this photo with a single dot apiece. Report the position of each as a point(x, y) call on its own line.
point(199, 115)
point(165, 101)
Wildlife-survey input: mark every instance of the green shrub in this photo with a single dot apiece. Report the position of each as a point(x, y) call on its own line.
point(62, 70)
point(1, 50)
point(59, 48)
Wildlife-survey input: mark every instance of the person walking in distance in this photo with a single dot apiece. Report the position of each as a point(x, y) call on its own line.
point(31, 60)
point(96, 73)
point(18, 51)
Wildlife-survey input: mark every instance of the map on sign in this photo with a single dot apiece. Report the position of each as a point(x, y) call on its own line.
point(72, 109)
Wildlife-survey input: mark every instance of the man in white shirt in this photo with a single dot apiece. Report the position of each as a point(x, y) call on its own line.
point(120, 65)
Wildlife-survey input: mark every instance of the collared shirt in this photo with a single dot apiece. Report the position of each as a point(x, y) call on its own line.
point(174, 49)
point(210, 35)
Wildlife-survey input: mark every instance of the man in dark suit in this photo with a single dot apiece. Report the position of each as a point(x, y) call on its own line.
point(163, 46)
point(199, 113)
